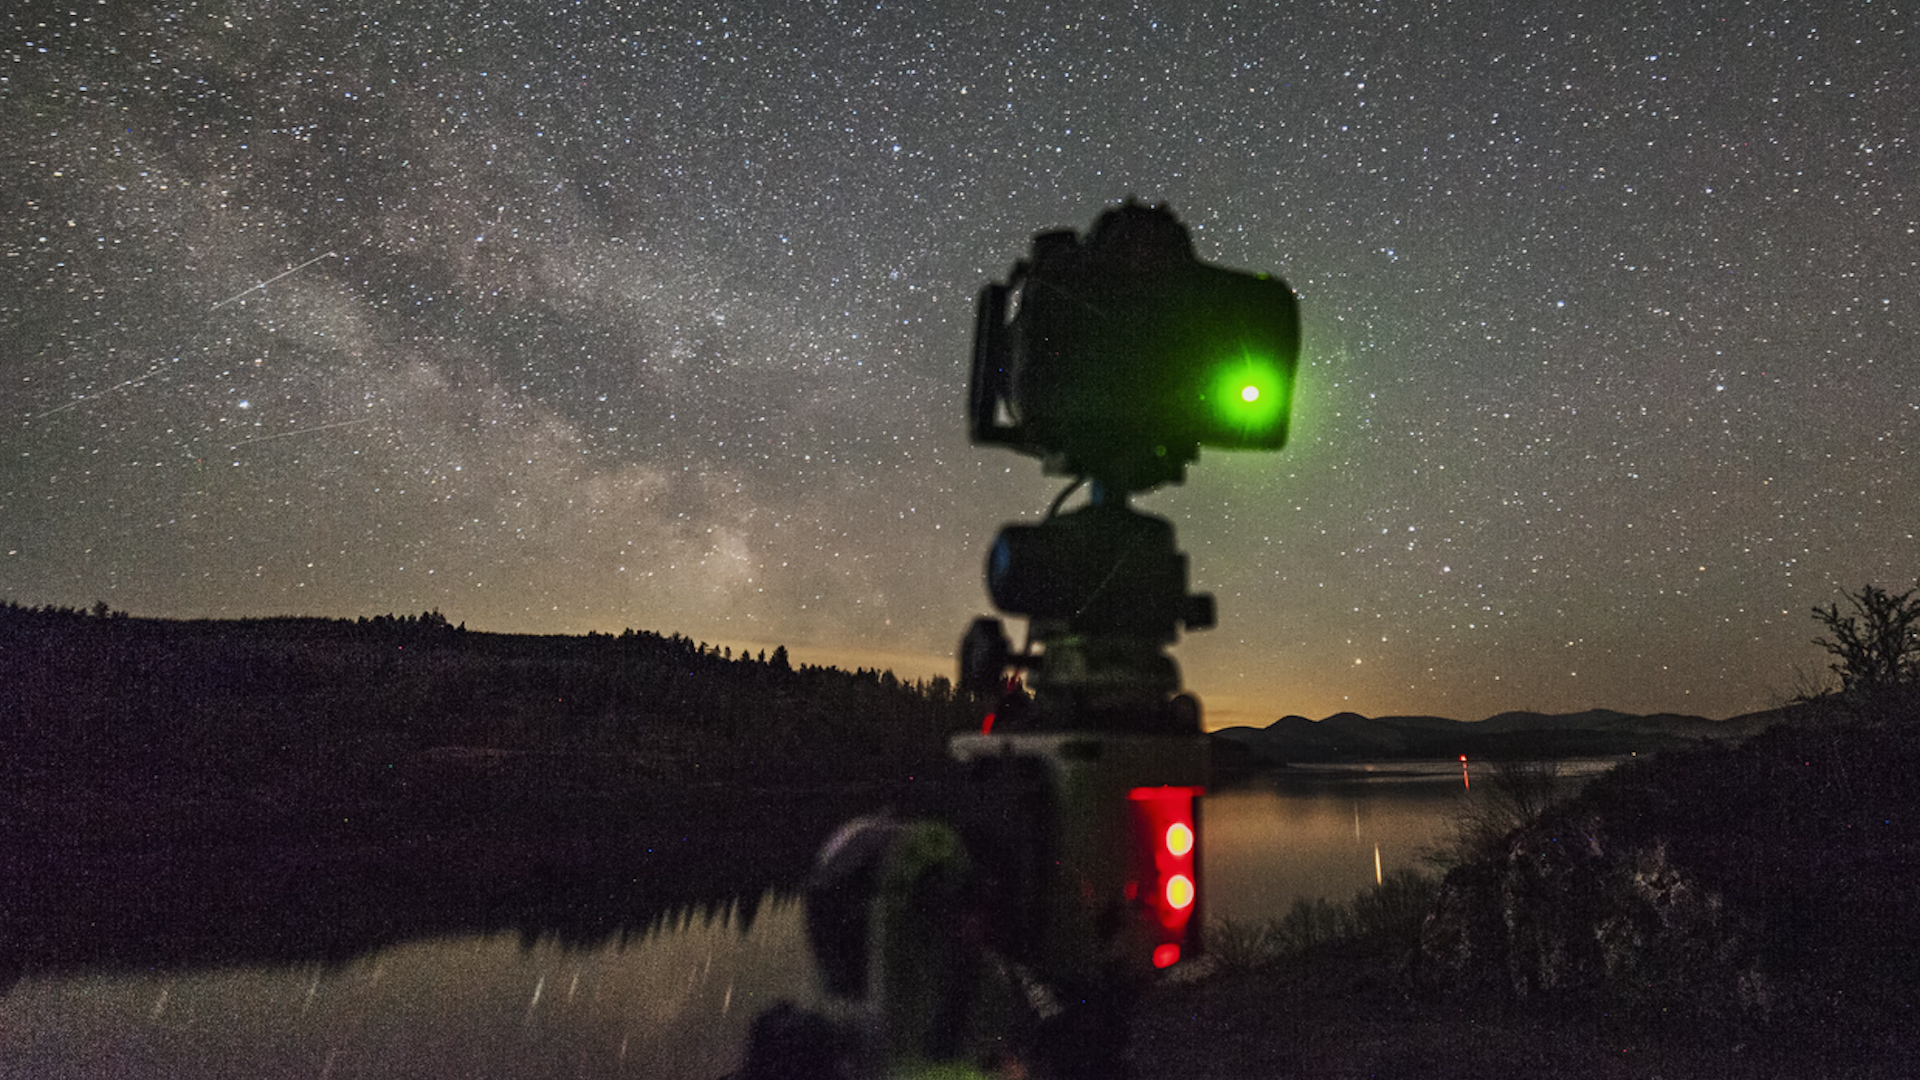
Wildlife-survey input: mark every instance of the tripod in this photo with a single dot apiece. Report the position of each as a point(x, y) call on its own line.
point(1021, 923)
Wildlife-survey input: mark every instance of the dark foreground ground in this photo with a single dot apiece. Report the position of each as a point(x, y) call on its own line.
point(195, 794)
point(1745, 909)
point(1338, 1015)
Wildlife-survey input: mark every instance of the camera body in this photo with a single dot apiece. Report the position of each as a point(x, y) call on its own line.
point(1119, 355)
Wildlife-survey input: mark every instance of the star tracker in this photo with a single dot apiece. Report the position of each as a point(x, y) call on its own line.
point(1022, 923)
point(1112, 357)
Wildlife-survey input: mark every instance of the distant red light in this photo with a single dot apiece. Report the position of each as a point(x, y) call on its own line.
point(1165, 956)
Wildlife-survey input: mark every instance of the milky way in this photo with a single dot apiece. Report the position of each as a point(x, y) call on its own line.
point(574, 318)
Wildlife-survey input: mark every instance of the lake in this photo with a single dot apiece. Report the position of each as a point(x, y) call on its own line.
point(1327, 832)
point(673, 1001)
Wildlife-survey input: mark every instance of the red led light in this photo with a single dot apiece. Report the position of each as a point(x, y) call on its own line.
point(1165, 956)
point(1180, 892)
point(1179, 838)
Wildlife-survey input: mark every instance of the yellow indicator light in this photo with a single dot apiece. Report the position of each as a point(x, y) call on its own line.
point(1179, 892)
point(1179, 839)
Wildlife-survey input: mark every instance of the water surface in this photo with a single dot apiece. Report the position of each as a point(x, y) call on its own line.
point(671, 1002)
point(1327, 832)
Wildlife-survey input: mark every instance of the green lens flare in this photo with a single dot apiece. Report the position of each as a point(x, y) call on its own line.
point(1248, 396)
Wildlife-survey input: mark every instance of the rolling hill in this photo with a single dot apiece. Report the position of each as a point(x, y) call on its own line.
point(1351, 737)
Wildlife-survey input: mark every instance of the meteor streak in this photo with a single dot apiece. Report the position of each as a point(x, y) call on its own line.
point(135, 381)
point(138, 379)
point(305, 431)
point(274, 278)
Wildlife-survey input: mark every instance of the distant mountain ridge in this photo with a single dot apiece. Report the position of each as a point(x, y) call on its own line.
point(1351, 737)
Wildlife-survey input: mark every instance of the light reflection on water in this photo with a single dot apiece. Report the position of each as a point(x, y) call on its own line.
point(673, 1004)
point(1316, 836)
point(1329, 832)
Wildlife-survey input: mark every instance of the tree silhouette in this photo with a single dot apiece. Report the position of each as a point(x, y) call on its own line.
point(1877, 646)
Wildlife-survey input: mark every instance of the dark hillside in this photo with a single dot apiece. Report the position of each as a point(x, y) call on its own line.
point(193, 792)
point(1346, 737)
point(1768, 887)
point(74, 686)
point(1730, 910)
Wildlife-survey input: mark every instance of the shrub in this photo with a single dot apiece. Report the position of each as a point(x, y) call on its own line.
point(1386, 916)
point(1514, 794)
point(1877, 647)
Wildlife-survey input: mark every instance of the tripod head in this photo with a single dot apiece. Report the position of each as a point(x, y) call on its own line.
point(1113, 358)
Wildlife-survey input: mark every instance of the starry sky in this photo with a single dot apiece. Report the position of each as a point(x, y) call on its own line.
point(571, 317)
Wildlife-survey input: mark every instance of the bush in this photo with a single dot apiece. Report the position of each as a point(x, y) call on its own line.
point(1513, 794)
point(1387, 916)
point(1770, 882)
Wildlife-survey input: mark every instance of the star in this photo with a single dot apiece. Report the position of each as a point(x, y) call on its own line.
point(661, 317)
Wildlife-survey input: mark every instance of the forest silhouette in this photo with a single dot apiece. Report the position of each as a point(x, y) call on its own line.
point(206, 792)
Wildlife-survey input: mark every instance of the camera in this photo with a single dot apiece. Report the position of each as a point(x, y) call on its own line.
point(1117, 355)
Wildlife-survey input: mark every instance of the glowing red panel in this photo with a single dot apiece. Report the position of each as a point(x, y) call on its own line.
point(1164, 820)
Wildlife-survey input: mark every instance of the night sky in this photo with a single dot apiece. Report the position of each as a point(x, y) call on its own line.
point(586, 317)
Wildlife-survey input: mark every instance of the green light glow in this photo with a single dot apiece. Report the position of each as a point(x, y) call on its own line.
point(1248, 396)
